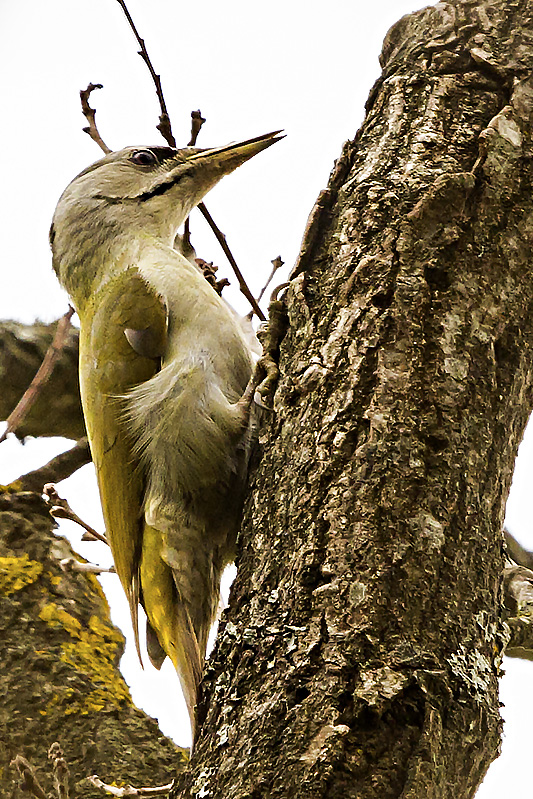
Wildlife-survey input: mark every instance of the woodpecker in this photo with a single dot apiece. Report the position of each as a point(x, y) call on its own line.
point(164, 365)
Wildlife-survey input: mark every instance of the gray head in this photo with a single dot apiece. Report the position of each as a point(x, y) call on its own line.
point(148, 190)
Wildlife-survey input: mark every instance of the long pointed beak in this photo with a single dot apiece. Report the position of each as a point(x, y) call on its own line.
point(225, 159)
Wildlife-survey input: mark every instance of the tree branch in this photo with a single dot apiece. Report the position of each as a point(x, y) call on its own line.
point(517, 552)
point(15, 419)
point(164, 126)
point(59, 468)
point(128, 790)
point(57, 409)
point(60, 653)
point(223, 243)
point(363, 634)
point(518, 596)
point(60, 509)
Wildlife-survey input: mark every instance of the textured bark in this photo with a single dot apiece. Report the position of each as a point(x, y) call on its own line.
point(59, 679)
point(361, 652)
point(57, 410)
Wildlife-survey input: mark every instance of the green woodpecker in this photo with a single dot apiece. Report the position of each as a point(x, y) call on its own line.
point(164, 364)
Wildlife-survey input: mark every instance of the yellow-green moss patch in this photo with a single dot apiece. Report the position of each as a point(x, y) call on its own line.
point(57, 617)
point(16, 573)
point(92, 651)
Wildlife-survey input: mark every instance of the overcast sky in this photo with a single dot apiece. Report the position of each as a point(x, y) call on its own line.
point(303, 66)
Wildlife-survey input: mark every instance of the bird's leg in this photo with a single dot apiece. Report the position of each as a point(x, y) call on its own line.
point(263, 382)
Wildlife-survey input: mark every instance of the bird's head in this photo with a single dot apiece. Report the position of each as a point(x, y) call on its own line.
point(148, 190)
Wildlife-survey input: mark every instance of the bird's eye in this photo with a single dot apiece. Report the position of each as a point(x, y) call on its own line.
point(143, 158)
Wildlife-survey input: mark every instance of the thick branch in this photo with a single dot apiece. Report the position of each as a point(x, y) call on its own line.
point(41, 377)
point(517, 552)
point(57, 410)
point(59, 468)
point(518, 594)
point(59, 678)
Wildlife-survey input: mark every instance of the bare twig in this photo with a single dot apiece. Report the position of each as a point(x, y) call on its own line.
point(209, 272)
point(165, 129)
point(60, 509)
point(73, 565)
point(29, 783)
point(60, 769)
point(43, 373)
point(187, 234)
point(277, 263)
point(129, 790)
point(89, 114)
point(197, 120)
point(164, 126)
point(238, 274)
point(59, 468)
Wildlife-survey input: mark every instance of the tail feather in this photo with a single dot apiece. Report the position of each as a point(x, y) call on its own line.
point(133, 595)
point(176, 627)
point(156, 653)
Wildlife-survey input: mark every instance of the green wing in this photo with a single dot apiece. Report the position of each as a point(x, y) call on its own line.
point(122, 314)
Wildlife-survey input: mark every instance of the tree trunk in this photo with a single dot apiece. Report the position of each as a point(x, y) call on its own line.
point(361, 651)
point(360, 654)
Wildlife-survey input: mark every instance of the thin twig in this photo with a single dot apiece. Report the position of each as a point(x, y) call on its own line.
point(59, 468)
point(277, 263)
point(129, 790)
point(165, 129)
point(197, 120)
point(238, 274)
point(187, 234)
point(29, 783)
point(60, 509)
point(164, 126)
point(43, 373)
point(209, 271)
point(89, 114)
point(73, 565)
point(60, 769)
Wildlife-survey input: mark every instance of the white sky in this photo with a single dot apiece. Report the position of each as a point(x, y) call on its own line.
point(300, 65)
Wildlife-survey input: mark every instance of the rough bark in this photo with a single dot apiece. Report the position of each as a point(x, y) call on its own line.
point(59, 679)
point(361, 651)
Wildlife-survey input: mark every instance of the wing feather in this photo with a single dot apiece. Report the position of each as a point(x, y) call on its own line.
point(109, 367)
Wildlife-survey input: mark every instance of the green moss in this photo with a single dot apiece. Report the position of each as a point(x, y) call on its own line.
point(97, 588)
point(57, 617)
point(12, 488)
point(92, 651)
point(16, 573)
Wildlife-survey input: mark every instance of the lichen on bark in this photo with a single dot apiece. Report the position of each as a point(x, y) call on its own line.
point(59, 679)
